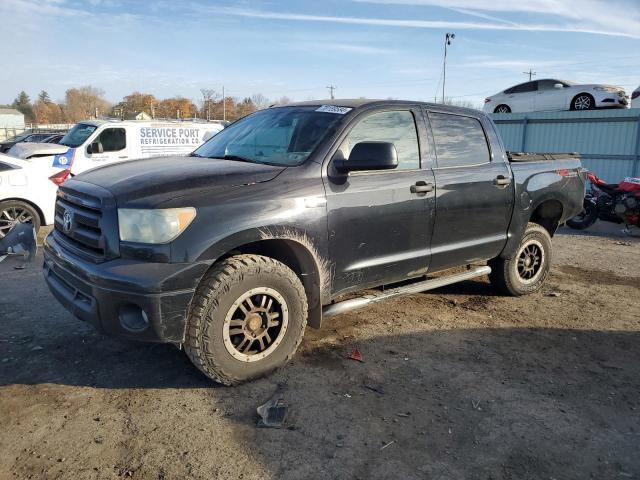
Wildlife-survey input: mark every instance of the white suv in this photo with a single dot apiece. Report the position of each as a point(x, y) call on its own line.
point(551, 94)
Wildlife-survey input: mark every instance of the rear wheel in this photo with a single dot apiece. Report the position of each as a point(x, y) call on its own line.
point(526, 270)
point(583, 101)
point(502, 109)
point(585, 218)
point(247, 319)
point(13, 212)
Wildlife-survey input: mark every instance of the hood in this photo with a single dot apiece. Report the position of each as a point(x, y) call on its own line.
point(588, 86)
point(165, 177)
point(29, 149)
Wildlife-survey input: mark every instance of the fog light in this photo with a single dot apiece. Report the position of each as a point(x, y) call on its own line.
point(133, 318)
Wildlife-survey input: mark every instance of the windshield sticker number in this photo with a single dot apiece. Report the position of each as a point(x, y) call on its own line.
point(334, 109)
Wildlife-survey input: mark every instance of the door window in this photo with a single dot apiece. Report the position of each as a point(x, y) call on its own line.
point(397, 127)
point(113, 139)
point(459, 140)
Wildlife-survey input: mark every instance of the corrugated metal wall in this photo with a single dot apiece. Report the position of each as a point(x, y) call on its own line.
point(608, 140)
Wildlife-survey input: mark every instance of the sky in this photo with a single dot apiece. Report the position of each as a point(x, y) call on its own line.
point(366, 48)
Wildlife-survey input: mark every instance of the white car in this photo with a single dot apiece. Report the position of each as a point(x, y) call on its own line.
point(635, 98)
point(27, 192)
point(551, 94)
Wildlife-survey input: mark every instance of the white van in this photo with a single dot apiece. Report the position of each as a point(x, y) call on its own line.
point(93, 143)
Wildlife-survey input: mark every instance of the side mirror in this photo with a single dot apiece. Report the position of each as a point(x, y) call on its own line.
point(558, 85)
point(95, 147)
point(370, 156)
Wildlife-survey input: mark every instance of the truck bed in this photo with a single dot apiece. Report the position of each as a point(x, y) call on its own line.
point(540, 157)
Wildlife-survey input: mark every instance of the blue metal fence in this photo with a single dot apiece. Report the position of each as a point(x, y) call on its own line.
point(608, 140)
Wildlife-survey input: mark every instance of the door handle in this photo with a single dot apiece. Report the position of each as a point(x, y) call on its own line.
point(124, 156)
point(501, 181)
point(421, 187)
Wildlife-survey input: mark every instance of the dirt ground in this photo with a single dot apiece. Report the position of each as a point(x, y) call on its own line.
point(456, 384)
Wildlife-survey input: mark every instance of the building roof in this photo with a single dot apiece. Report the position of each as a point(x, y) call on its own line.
point(9, 111)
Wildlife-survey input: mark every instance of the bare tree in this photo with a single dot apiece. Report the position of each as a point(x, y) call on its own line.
point(260, 101)
point(208, 95)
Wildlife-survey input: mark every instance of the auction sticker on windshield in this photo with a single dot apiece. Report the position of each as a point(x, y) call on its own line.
point(334, 109)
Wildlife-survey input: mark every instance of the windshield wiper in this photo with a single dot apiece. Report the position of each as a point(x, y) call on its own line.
point(237, 158)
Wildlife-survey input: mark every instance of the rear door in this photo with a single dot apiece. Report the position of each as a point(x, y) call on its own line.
point(522, 98)
point(380, 222)
point(474, 192)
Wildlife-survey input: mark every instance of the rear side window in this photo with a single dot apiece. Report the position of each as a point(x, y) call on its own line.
point(113, 139)
point(459, 140)
point(523, 88)
point(5, 166)
point(397, 127)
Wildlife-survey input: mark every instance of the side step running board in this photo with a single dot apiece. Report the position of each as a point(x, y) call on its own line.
point(352, 304)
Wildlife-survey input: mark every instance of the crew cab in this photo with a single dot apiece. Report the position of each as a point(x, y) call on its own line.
point(268, 226)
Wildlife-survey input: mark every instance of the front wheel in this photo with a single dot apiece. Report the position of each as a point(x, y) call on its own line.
point(247, 318)
point(585, 218)
point(13, 212)
point(584, 101)
point(526, 270)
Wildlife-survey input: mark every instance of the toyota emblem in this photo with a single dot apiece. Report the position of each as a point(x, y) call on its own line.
point(67, 221)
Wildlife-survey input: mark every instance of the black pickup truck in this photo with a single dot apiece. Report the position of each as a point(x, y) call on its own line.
point(231, 251)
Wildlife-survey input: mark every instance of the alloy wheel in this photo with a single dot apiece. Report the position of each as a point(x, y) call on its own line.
point(530, 261)
point(255, 324)
point(11, 216)
point(583, 102)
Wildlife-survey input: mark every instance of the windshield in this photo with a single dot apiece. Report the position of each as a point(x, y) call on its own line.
point(77, 135)
point(283, 136)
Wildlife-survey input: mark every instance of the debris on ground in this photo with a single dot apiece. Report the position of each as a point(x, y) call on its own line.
point(356, 355)
point(379, 390)
point(387, 444)
point(553, 294)
point(404, 414)
point(274, 411)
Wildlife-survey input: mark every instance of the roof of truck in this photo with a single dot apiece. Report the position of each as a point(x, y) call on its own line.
point(363, 102)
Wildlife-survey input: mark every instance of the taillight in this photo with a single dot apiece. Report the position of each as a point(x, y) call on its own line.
point(487, 100)
point(60, 177)
point(635, 95)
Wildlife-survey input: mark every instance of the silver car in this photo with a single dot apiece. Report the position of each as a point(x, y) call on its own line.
point(552, 94)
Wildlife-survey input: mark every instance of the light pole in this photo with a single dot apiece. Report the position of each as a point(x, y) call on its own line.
point(447, 41)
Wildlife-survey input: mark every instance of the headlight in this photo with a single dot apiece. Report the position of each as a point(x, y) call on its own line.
point(606, 89)
point(153, 225)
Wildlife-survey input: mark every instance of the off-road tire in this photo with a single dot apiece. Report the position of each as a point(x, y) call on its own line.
point(504, 274)
point(586, 218)
point(219, 289)
point(23, 206)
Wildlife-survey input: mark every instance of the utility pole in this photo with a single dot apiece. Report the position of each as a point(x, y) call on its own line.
point(224, 106)
point(530, 73)
point(447, 41)
point(331, 88)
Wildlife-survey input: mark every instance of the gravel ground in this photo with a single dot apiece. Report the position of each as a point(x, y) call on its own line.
point(457, 383)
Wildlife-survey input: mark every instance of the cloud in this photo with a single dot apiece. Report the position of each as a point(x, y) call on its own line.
point(425, 24)
point(592, 16)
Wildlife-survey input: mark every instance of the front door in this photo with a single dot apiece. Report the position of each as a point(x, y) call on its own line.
point(549, 97)
point(474, 192)
point(380, 222)
point(114, 146)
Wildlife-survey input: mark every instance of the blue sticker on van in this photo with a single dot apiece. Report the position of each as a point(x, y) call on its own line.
point(64, 160)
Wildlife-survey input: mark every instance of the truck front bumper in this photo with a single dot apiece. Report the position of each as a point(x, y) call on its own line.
point(123, 297)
